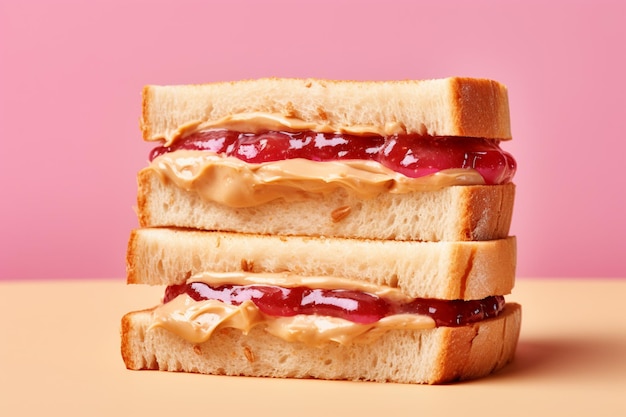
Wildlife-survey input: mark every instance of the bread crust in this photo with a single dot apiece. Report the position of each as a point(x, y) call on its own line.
point(457, 213)
point(445, 270)
point(455, 106)
point(433, 356)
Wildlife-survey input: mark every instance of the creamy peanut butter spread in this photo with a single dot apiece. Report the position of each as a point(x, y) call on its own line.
point(256, 122)
point(235, 183)
point(196, 321)
point(289, 280)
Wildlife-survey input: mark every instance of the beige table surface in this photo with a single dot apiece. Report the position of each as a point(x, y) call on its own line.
point(59, 355)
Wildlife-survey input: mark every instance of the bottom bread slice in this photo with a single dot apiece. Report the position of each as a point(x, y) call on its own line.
point(439, 355)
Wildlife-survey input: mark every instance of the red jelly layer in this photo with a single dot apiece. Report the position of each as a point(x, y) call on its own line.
point(355, 306)
point(410, 155)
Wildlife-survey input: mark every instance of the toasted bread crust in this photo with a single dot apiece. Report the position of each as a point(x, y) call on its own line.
point(439, 355)
point(457, 213)
point(444, 107)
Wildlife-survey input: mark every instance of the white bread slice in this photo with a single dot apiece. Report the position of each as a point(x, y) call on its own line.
point(445, 270)
point(452, 213)
point(439, 355)
point(443, 107)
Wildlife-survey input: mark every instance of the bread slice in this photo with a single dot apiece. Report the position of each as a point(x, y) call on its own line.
point(445, 270)
point(444, 107)
point(438, 355)
point(451, 213)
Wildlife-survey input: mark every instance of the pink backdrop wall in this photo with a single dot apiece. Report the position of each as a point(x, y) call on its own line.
point(71, 74)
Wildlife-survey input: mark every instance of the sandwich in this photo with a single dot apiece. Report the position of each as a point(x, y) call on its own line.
point(307, 228)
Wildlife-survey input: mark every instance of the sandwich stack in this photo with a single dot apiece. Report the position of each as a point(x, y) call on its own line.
point(326, 229)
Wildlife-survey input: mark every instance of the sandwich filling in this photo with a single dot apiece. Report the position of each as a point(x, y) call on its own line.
point(306, 309)
point(247, 169)
point(411, 155)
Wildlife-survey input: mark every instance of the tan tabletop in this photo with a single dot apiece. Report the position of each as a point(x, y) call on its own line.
point(59, 355)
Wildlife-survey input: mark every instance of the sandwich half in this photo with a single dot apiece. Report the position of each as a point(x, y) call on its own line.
point(326, 229)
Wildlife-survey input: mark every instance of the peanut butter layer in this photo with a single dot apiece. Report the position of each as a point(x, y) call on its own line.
point(236, 183)
point(195, 321)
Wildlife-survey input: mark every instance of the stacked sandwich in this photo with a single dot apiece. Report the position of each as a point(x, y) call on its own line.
point(326, 229)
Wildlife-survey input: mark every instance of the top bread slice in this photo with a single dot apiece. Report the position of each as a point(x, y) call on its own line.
point(442, 107)
point(443, 270)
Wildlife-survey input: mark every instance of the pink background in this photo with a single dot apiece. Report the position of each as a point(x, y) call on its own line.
point(71, 74)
